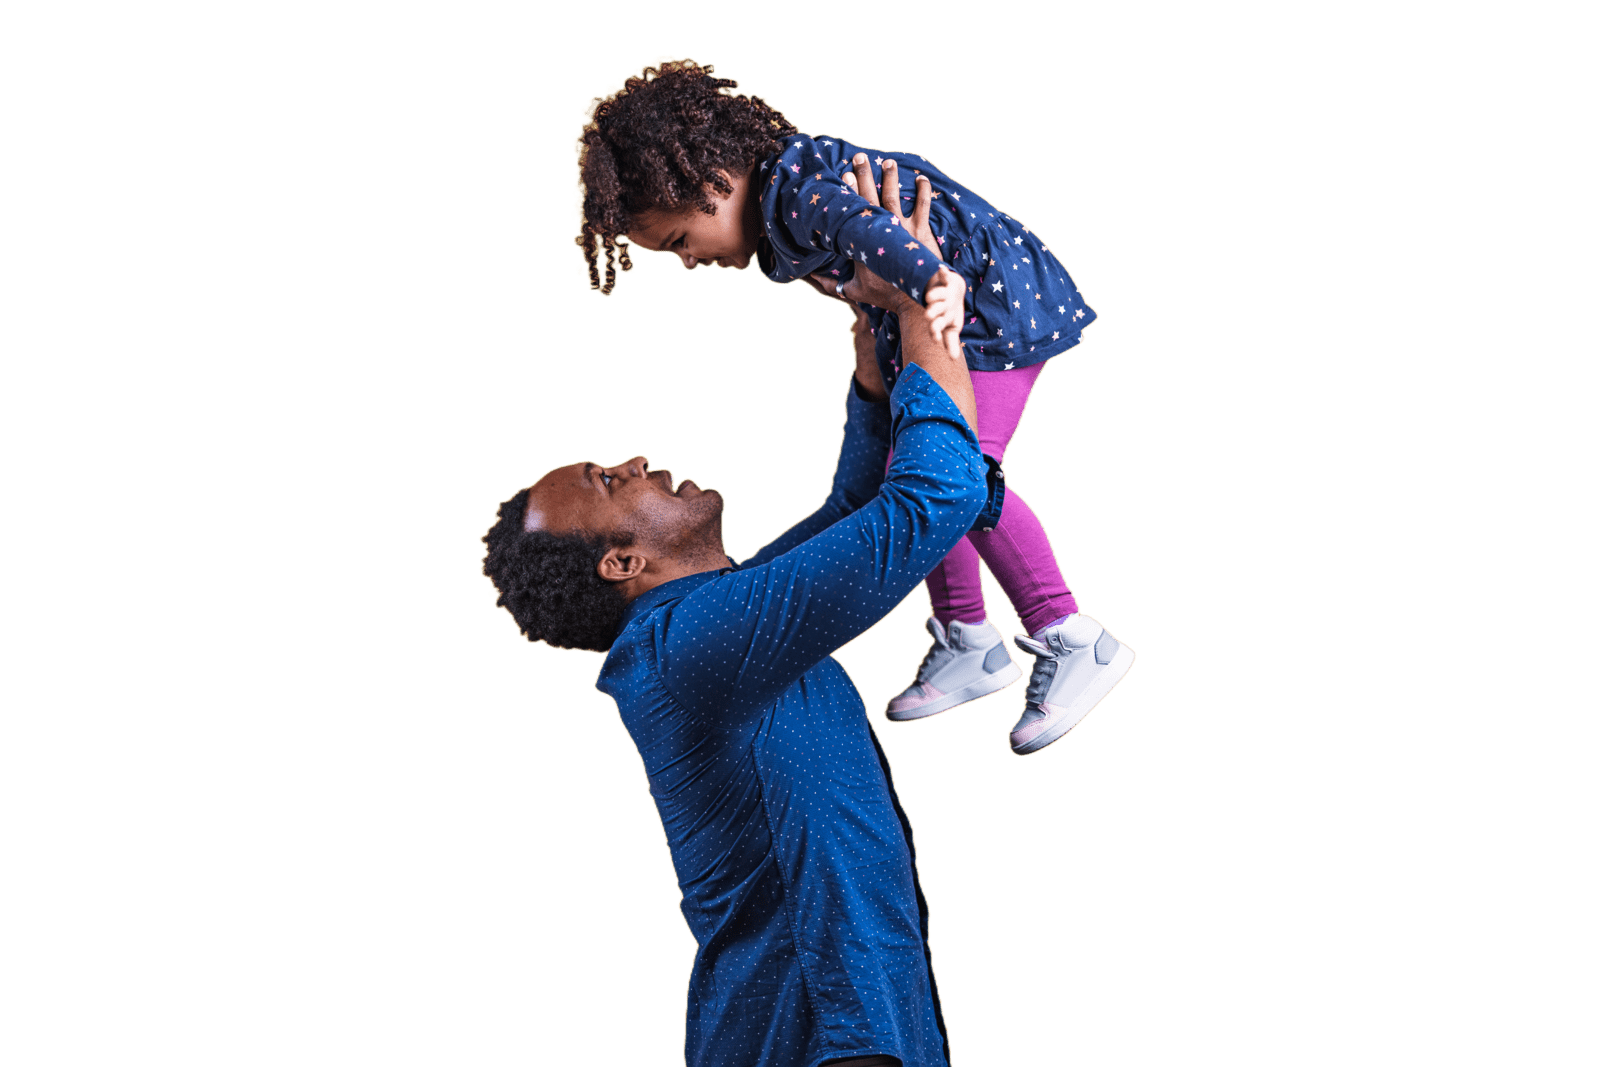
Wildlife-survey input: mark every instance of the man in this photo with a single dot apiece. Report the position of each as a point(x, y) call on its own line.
point(792, 852)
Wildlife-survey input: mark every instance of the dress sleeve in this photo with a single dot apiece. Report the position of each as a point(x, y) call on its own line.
point(855, 480)
point(758, 630)
point(809, 209)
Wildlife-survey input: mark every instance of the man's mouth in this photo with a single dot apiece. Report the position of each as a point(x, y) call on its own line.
point(686, 484)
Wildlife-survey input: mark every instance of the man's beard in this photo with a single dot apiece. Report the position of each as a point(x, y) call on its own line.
point(693, 533)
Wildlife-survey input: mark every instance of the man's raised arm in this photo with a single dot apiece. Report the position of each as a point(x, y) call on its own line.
point(772, 622)
point(862, 457)
point(866, 430)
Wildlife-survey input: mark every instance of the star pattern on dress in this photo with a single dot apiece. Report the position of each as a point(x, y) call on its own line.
point(886, 245)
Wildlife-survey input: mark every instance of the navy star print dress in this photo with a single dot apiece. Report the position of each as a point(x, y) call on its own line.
point(793, 855)
point(1021, 308)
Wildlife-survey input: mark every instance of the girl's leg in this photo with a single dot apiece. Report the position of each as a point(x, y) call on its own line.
point(956, 588)
point(1017, 551)
point(1019, 556)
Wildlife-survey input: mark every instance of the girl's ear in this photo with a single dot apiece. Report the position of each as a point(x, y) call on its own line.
point(717, 194)
point(620, 564)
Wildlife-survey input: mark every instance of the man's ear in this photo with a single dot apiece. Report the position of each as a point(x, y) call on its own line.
point(620, 564)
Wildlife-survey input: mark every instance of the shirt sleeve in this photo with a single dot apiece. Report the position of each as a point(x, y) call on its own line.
point(757, 630)
point(855, 480)
point(809, 209)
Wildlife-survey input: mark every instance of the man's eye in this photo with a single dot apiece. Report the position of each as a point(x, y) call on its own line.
point(605, 478)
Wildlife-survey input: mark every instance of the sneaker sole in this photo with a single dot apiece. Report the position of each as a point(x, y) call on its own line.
point(1084, 704)
point(989, 683)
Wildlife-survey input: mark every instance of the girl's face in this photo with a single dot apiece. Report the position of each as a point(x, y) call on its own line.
point(727, 238)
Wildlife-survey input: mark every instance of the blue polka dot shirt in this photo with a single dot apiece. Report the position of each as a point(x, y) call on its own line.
point(791, 849)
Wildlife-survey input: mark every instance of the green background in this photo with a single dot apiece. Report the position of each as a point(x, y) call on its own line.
point(290, 304)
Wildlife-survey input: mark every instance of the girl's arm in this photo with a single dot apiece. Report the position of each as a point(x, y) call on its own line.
point(807, 209)
point(946, 293)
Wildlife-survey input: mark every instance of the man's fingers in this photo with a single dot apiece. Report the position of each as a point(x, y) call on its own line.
point(863, 183)
point(919, 210)
point(919, 214)
point(891, 187)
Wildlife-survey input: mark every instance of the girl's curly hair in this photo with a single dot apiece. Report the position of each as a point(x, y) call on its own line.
point(548, 582)
point(657, 144)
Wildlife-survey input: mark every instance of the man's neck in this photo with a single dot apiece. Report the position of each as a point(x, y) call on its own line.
point(660, 572)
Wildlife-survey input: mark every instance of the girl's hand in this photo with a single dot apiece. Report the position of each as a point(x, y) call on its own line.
point(945, 299)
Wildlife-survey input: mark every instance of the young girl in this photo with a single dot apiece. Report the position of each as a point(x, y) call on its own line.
point(674, 164)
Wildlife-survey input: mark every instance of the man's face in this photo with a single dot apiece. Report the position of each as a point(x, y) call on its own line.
point(626, 501)
point(727, 238)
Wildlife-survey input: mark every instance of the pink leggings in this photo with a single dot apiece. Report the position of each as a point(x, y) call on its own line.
point(1017, 551)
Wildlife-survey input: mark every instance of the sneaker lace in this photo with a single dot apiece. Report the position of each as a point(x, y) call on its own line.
point(1044, 672)
point(925, 669)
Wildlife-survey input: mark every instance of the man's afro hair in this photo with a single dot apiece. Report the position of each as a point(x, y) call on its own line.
point(549, 583)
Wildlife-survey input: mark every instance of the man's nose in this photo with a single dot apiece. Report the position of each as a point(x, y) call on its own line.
point(637, 467)
point(688, 260)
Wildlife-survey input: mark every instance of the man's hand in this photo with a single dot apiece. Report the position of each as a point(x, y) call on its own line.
point(945, 299)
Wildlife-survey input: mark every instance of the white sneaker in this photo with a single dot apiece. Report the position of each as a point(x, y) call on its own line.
point(1078, 663)
point(966, 661)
